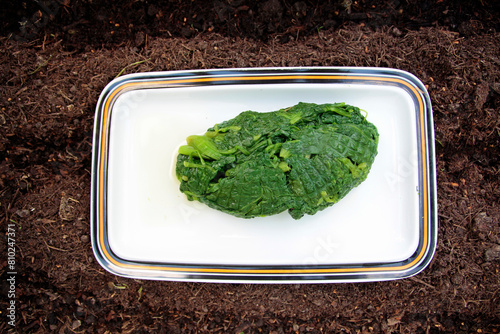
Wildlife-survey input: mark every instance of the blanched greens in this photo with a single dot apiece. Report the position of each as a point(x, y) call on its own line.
point(301, 159)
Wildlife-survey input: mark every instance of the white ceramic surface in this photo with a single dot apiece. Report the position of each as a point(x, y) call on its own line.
point(142, 226)
point(151, 220)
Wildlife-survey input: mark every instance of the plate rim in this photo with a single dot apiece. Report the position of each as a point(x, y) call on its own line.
point(267, 273)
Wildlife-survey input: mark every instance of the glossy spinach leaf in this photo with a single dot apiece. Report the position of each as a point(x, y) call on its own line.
point(301, 159)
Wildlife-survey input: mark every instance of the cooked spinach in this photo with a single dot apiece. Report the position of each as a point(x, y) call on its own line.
point(301, 159)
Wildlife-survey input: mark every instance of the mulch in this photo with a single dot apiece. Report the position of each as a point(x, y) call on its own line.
point(48, 95)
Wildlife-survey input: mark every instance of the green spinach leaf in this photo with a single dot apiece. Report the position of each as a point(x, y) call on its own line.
point(302, 159)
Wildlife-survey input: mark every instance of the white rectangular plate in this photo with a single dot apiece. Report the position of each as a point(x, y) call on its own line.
point(144, 227)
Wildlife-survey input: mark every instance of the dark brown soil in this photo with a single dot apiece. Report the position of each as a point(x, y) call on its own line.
point(50, 79)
